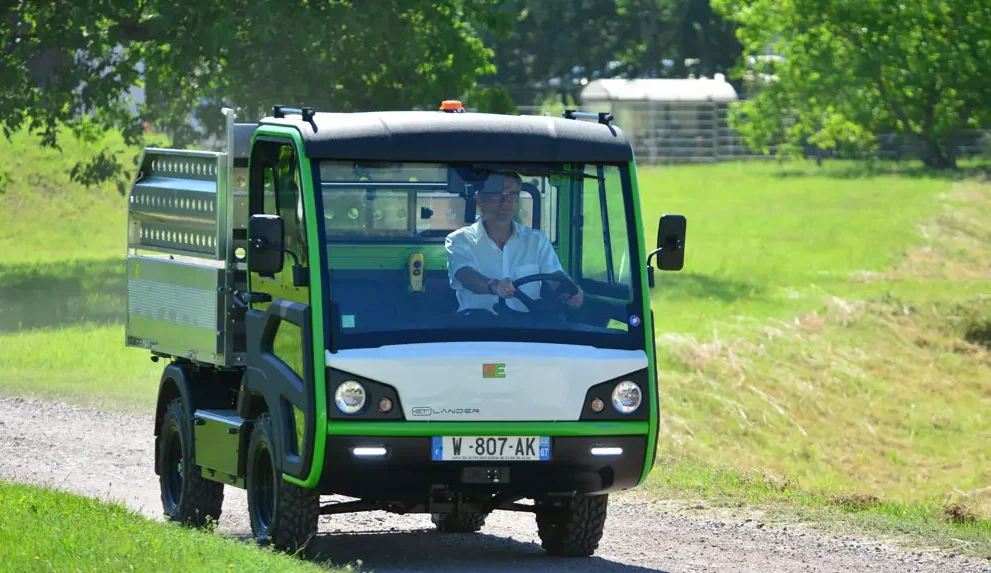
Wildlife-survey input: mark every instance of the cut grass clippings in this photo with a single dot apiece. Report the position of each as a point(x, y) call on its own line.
point(47, 530)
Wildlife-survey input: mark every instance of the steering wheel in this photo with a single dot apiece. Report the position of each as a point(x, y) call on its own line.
point(567, 286)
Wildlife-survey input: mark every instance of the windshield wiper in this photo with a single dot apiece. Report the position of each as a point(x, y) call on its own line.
point(504, 169)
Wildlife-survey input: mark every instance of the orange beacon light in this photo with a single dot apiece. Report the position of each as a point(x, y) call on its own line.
point(452, 106)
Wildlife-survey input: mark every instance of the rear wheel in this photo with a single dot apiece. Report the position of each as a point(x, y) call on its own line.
point(460, 523)
point(282, 514)
point(187, 497)
point(574, 528)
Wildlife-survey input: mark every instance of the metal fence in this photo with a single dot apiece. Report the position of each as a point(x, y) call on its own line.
point(664, 133)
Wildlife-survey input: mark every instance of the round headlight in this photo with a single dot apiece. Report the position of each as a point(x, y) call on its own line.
point(626, 397)
point(350, 397)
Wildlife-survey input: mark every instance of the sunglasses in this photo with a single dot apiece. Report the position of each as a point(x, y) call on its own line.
point(500, 197)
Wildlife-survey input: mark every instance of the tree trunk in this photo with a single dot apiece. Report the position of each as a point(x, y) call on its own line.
point(938, 155)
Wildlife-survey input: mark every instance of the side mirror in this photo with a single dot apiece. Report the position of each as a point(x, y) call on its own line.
point(265, 251)
point(670, 246)
point(671, 242)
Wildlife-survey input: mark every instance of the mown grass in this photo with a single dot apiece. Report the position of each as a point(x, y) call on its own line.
point(62, 280)
point(705, 489)
point(828, 331)
point(764, 240)
point(47, 530)
point(854, 373)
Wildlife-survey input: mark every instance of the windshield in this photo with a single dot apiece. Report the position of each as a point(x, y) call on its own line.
point(421, 252)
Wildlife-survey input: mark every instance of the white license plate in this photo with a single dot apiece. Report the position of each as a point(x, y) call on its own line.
point(490, 448)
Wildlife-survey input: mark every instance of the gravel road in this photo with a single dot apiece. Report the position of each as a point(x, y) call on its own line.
point(109, 456)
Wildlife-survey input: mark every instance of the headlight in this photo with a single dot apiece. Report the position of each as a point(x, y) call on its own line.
point(626, 397)
point(350, 397)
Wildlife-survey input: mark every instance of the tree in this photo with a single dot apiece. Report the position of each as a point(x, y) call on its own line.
point(559, 44)
point(553, 45)
point(854, 69)
point(72, 63)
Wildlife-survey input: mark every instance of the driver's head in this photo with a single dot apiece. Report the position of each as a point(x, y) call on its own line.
point(499, 197)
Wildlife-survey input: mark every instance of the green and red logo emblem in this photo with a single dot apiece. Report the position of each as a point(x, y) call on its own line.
point(493, 370)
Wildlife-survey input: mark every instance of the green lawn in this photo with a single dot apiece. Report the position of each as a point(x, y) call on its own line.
point(829, 330)
point(45, 530)
point(62, 284)
point(766, 241)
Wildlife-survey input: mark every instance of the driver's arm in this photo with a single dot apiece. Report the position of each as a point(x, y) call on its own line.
point(461, 265)
point(473, 280)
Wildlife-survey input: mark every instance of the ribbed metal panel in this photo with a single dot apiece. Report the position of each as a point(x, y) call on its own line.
point(174, 205)
point(174, 303)
point(176, 307)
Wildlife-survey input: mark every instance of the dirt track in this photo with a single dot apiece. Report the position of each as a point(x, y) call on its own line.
point(109, 455)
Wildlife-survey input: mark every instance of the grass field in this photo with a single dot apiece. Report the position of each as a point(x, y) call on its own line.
point(45, 530)
point(827, 341)
point(847, 346)
point(62, 283)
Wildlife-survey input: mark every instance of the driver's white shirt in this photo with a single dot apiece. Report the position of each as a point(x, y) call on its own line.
point(528, 252)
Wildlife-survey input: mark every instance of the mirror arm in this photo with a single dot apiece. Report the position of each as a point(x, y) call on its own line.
point(650, 268)
point(653, 254)
point(298, 276)
point(260, 242)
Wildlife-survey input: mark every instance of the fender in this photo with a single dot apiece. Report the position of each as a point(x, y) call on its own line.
point(197, 387)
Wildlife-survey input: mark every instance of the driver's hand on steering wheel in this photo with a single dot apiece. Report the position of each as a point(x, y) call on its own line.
point(504, 288)
point(576, 300)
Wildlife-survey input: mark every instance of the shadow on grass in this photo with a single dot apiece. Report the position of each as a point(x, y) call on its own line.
point(675, 286)
point(432, 552)
point(865, 169)
point(49, 295)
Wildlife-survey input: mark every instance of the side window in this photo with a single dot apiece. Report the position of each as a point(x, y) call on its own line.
point(289, 202)
point(276, 171)
point(268, 191)
point(605, 236)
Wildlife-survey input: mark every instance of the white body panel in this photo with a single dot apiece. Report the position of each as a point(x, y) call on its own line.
point(444, 382)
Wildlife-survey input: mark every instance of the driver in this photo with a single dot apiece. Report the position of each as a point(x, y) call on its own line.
point(484, 258)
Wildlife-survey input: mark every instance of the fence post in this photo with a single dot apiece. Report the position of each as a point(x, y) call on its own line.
point(715, 131)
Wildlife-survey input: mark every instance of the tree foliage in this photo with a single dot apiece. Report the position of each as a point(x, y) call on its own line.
point(73, 63)
point(557, 45)
point(854, 69)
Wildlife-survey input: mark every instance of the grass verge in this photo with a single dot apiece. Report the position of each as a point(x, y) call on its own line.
point(46, 530)
point(933, 523)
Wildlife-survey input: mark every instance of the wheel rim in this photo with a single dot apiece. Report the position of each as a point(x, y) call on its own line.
point(172, 466)
point(263, 489)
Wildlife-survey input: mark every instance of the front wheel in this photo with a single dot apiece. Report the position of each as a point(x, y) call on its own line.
point(187, 497)
point(282, 514)
point(573, 528)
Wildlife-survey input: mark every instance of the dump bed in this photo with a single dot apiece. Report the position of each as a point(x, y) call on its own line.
point(187, 212)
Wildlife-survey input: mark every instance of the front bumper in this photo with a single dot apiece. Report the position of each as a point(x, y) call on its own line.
point(407, 471)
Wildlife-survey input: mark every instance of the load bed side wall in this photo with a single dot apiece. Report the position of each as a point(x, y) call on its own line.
point(181, 265)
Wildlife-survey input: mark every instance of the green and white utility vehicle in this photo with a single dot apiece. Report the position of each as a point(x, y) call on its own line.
point(298, 284)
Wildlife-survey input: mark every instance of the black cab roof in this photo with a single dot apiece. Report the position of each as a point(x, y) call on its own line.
point(437, 136)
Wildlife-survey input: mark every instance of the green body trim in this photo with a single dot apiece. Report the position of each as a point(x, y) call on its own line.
point(359, 428)
point(313, 246)
point(648, 325)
